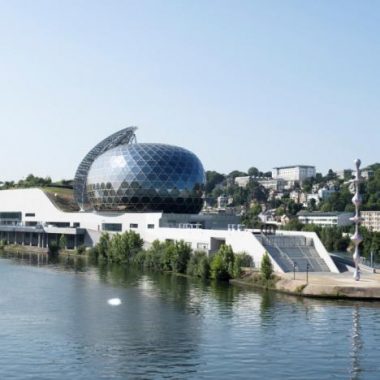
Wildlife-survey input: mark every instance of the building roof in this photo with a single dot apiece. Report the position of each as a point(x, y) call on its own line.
point(124, 136)
point(294, 166)
point(321, 213)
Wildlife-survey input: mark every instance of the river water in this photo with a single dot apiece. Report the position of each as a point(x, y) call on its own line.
point(56, 323)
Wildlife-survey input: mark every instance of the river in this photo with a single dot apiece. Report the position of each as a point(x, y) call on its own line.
point(56, 323)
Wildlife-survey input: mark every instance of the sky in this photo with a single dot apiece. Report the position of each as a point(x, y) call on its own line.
point(239, 83)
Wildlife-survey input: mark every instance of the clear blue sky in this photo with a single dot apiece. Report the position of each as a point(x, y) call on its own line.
point(240, 83)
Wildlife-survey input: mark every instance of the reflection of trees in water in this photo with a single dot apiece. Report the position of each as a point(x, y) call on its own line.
point(266, 305)
point(76, 263)
point(356, 344)
point(118, 275)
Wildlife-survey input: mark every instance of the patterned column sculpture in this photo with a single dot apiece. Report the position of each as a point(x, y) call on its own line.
point(356, 238)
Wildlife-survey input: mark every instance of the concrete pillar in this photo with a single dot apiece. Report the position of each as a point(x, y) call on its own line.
point(39, 240)
point(75, 241)
point(31, 239)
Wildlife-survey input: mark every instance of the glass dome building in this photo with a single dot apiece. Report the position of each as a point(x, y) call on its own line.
point(146, 177)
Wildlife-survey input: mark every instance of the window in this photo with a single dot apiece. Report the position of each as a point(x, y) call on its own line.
point(133, 225)
point(113, 227)
point(10, 215)
point(58, 224)
point(76, 224)
point(150, 226)
point(202, 246)
point(30, 214)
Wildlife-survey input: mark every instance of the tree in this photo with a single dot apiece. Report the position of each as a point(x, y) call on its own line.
point(213, 178)
point(250, 218)
point(122, 247)
point(293, 207)
point(236, 173)
point(182, 253)
point(241, 260)
point(199, 265)
point(266, 268)
point(256, 192)
point(63, 242)
point(222, 263)
point(331, 175)
point(294, 225)
point(103, 245)
point(312, 204)
point(253, 172)
point(307, 185)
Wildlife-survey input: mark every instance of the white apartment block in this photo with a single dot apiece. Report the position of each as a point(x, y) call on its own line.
point(268, 183)
point(371, 220)
point(325, 219)
point(294, 173)
point(325, 193)
point(242, 181)
point(272, 184)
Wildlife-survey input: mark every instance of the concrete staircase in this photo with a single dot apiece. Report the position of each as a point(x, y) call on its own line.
point(290, 250)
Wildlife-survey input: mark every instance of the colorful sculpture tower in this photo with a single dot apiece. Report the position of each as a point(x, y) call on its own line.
point(356, 238)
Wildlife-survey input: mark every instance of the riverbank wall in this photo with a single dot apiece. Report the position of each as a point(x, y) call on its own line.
point(323, 285)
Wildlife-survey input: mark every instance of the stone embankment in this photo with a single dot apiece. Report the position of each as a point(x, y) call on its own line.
point(325, 285)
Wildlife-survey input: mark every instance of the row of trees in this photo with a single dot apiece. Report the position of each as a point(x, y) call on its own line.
point(177, 257)
point(35, 181)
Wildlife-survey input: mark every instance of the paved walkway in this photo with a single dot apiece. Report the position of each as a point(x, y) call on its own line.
point(341, 285)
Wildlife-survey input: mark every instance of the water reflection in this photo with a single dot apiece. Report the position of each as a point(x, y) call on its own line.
point(173, 326)
point(356, 345)
point(265, 307)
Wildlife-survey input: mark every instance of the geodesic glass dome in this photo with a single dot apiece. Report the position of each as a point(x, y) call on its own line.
point(146, 177)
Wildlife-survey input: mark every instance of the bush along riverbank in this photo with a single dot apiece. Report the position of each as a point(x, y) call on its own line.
point(263, 279)
point(170, 256)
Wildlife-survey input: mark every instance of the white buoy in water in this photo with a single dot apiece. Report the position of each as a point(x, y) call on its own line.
point(114, 301)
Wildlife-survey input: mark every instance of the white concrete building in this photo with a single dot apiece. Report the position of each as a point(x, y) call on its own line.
point(294, 173)
point(153, 189)
point(325, 193)
point(325, 219)
point(242, 181)
point(371, 220)
point(344, 174)
point(28, 217)
point(277, 184)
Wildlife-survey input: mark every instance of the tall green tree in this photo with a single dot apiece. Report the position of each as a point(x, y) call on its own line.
point(222, 263)
point(266, 267)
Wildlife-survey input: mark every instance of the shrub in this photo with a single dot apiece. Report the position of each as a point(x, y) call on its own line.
point(199, 265)
point(266, 268)
point(222, 263)
point(121, 248)
point(81, 249)
point(241, 260)
point(62, 242)
point(152, 258)
point(103, 245)
point(53, 248)
point(181, 256)
point(93, 254)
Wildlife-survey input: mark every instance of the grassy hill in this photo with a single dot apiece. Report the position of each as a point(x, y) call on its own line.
point(62, 198)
